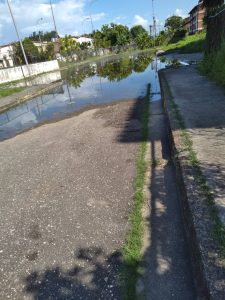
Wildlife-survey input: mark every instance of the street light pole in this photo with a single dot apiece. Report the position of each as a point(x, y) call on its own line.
point(17, 32)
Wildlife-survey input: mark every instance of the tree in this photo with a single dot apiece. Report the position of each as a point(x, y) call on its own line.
point(68, 45)
point(213, 3)
point(144, 41)
point(100, 40)
point(174, 23)
point(31, 51)
point(136, 30)
point(49, 53)
point(115, 34)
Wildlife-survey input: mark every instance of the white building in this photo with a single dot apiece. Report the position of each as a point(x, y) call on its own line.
point(42, 46)
point(6, 56)
point(80, 40)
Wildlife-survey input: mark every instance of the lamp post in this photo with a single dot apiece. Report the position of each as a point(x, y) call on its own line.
point(18, 35)
point(90, 18)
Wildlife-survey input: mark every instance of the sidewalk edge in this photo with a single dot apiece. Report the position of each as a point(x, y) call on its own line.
point(196, 215)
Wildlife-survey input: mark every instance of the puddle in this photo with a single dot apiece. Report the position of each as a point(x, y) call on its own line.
point(97, 83)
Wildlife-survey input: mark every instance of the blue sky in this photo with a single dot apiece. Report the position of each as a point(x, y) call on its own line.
point(72, 16)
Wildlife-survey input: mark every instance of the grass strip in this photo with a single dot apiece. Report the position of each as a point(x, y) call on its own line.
point(4, 92)
point(132, 249)
point(189, 44)
point(199, 177)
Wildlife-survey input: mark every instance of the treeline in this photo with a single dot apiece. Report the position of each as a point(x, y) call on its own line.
point(112, 35)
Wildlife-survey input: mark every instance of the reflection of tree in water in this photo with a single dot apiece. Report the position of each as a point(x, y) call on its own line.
point(141, 62)
point(75, 77)
point(121, 69)
point(113, 71)
point(116, 71)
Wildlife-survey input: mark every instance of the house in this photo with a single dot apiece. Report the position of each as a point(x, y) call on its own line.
point(197, 15)
point(6, 56)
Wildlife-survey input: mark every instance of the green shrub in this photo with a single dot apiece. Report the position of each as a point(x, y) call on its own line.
point(214, 65)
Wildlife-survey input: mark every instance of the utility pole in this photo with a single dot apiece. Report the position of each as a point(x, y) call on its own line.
point(53, 17)
point(154, 21)
point(150, 27)
point(17, 32)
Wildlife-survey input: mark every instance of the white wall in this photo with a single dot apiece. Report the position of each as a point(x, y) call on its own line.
point(6, 56)
point(11, 74)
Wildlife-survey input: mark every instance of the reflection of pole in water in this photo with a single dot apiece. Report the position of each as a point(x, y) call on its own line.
point(38, 108)
point(7, 116)
point(101, 88)
point(156, 74)
point(68, 91)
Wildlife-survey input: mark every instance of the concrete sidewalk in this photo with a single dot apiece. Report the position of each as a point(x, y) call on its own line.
point(199, 104)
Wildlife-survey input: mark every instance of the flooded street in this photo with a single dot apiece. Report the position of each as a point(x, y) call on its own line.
point(82, 87)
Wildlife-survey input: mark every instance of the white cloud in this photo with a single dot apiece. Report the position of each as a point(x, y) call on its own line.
point(138, 20)
point(69, 15)
point(179, 12)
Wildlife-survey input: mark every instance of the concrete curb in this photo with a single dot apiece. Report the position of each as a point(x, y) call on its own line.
point(207, 266)
point(23, 99)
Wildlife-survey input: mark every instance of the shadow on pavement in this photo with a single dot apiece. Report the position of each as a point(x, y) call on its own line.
point(58, 284)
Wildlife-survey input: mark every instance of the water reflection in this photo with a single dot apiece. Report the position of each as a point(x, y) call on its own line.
point(97, 83)
point(43, 79)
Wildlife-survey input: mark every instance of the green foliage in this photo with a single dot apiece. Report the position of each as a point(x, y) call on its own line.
point(137, 30)
point(31, 51)
point(189, 44)
point(213, 3)
point(174, 23)
point(68, 45)
point(144, 41)
point(112, 35)
point(178, 35)
point(100, 40)
point(214, 65)
point(49, 52)
point(118, 35)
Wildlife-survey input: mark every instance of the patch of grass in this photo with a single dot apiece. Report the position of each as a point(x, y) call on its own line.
point(213, 66)
point(7, 91)
point(132, 249)
point(189, 44)
point(200, 179)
